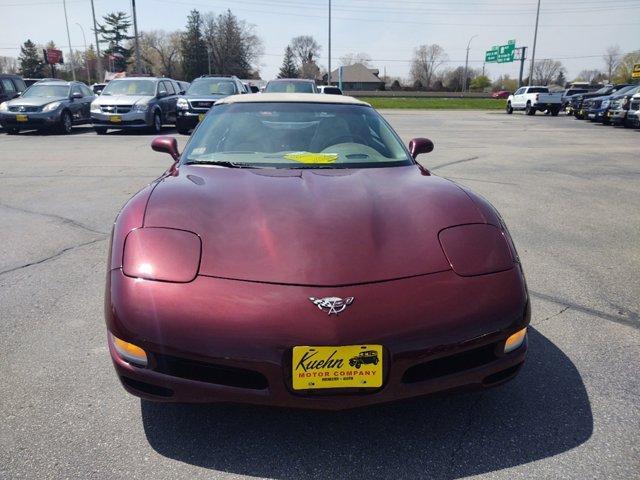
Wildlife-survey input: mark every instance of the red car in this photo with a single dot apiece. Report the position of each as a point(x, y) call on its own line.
point(294, 233)
point(501, 94)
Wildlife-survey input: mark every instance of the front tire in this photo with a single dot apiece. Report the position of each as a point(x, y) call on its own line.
point(182, 130)
point(66, 123)
point(12, 130)
point(509, 108)
point(529, 110)
point(100, 130)
point(156, 125)
point(555, 112)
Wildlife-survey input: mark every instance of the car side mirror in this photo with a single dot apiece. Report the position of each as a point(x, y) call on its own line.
point(167, 145)
point(76, 95)
point(161, 94)
point(420, 145)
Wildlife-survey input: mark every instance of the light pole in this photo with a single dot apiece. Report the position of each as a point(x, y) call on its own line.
point(135, 32)
point(66, 21)
point(329, 75)
point(535, 39)
point(466, 65)
point(95, 32)
point(86, 59)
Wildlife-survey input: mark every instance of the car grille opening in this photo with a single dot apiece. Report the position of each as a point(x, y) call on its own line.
point(116, 108)
point(201, 105)
point(501, 375)
point(449, 365)
point(24, 108)
point(210, 373)
point(147, 388)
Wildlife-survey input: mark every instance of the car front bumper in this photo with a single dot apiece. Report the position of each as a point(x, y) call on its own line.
point(596, 114)
point(186, 120)
point(431, 343)
point(617, 117)
point(33, 120)
point(124, 120)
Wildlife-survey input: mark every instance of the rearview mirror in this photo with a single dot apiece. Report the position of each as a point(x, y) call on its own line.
point(167, 145)
point(76, 95)
point(420, 145)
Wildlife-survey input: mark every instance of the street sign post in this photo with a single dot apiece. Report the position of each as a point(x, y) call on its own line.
point(636, 71)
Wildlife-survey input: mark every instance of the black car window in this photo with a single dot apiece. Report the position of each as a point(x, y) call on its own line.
point(169, 87)
point(86, 91)
point(76, 89)
point(20, 85)
point(8, 86)
point(538, 90)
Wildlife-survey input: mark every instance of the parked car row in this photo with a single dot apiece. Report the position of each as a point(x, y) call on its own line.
point(136, 103)
point(612, 104)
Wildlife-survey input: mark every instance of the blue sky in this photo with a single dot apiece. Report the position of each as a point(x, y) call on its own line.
point(576, 32)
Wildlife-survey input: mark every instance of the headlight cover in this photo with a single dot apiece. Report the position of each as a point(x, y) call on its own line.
point(140, 107)
point(605, 104)
point(182, 104)
point(95, 107)
point(4, 106)
point(164, 254)
point(50, 107)
point(476, 249)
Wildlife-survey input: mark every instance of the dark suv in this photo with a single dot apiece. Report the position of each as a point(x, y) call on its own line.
point(48, 104)
point(577, 100)
point(200, 97)
point(10, 87)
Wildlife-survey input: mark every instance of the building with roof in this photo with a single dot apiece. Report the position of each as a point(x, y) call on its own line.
point(357, 77)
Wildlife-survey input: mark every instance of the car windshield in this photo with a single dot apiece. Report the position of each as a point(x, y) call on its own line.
point(130, 87)
point(295, 135)
point(625, 89)
point(289, 87)
point(45, 90)
point(212, 86)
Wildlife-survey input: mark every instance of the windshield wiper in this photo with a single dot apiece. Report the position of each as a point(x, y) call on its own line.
point(222, 163)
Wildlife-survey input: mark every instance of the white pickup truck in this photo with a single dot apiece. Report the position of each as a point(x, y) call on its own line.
point(532, 99)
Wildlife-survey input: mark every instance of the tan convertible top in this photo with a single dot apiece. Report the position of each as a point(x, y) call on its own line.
point(291, 97)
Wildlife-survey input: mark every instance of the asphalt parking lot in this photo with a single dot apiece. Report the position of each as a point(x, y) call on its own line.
point(569, 192)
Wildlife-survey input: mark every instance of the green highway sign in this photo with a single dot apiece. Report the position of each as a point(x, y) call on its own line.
point(501, 53)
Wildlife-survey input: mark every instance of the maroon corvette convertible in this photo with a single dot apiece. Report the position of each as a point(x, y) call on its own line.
point(296, 254)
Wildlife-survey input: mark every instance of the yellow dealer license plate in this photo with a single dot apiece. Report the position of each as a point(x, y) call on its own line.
point(352, 366)
point(21, 118)
point(200, 117)
point(115, 118)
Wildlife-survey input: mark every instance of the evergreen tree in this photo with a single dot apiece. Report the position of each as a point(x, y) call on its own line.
point(194, 49)
point(31, 60)
point(114, 33)
point(289, 68)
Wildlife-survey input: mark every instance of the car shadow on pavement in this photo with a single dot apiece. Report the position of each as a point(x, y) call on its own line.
point(543, 412)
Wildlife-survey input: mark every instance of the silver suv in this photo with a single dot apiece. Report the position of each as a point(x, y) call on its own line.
point(145, 103)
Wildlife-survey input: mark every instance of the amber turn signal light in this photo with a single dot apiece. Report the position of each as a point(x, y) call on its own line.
point(515, 340)
point(129, 352)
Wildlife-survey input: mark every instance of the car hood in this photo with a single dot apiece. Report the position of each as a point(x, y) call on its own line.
point(35, 101)
point(312, 227)
point(122, 99)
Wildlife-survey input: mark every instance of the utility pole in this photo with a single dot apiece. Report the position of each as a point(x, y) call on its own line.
point(466, 65)
point(95, 31)
point(329, 75)
point(66, 21)
point(86, 60)
point(535, 39)
point(135, 32)
point(523, 51)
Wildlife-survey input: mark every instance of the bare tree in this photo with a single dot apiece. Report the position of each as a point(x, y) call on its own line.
point(8, 65)
point(623, 73)
point(161, 52)
point(305, 48)
point(232, 43)
point(426, 61)
point(589, 75)
point(546, 70)
point(611, 59)
point(360, 57)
